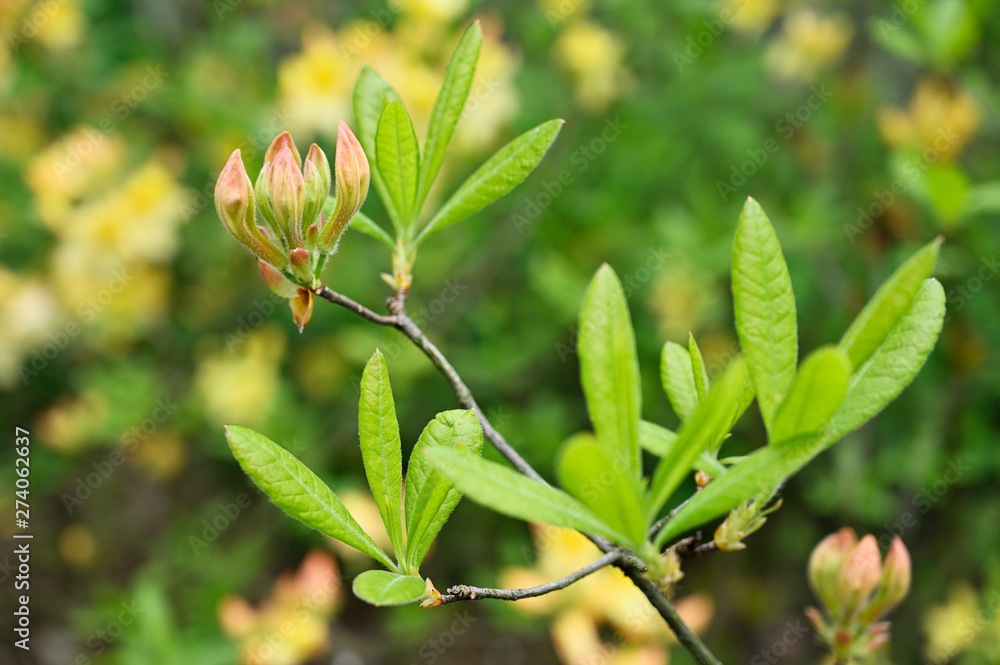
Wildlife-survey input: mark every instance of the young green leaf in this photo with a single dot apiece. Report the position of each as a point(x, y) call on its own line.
point(296, 490)
point(817, 392)
point(659, 441)
point(706, 425)
point(609, 370)
point(500, 174)
point(764, 306)
point(371, 95)
point(889, 303)
point(603, 483)
point(893, 364)
point(380, 448)
point(698, 368)
point(448, 107)
point(430, 497)
point(382, 588)
point(506, 491)
point(398, 158)
point(363, 223)
point(677, 376)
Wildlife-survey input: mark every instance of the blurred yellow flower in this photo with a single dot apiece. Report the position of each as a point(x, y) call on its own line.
point(77, 546)
point(751, 17)
point(161, 456)
point(73, 422)
point(594, 58)
point(22, 135)
point(604, 598)
point(240, 386)
point(290, 626)
point(81, 163)
point(60, 24)
point(940, 121)
point(808, 43)
point(560, 11)
point(29, 313)
point(952, 625)
point(316, 84)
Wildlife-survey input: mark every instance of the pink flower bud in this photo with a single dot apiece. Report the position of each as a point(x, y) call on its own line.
point(860, 574)
point(286, 191)
point(234, 197)
point(301, 262)
point(352, 179)
point(280, 142)
point(895, 581)
point(276, 281)
point(824, 567)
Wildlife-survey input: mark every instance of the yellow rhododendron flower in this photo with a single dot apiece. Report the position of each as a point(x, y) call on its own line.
point(808, 43)
point(594, 57)
point(940, 120)
point(240, 386)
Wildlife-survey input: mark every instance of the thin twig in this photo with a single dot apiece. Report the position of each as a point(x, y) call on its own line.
point(463, 592)
point(629, 565)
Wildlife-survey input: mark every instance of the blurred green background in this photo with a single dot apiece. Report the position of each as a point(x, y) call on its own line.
point(132, 327)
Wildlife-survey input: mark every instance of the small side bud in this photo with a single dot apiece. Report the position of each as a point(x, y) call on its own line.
point(286, 190)
point(353, 175)
point(276, 281)
point(895, 581)
point(302, 308)
point(280, 142)
point(301, 263)
point(316, 192)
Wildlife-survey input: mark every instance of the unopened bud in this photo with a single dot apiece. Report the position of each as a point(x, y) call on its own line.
point(276, 281)
point(317, 189)
point(825, 563)
point(301, 263)
point(860, 574)
point(280, 142)
point(234, 202)
point(895, 581)
point(286, 190)
point(352, 178)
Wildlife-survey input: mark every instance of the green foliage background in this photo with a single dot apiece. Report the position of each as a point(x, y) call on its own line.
point(633, 180)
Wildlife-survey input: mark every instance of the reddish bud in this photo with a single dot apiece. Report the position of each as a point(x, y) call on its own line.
point(301, 262)
point(895, 581)
point(353, 175)
point(286, 191)
point(280, 142)
point(824, 567)
point(234, 197)
point(861, 573)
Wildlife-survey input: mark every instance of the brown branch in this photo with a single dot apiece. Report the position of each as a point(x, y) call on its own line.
point(630, 565)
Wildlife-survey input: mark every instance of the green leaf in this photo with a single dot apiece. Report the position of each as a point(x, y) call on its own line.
point(298, 491)
point(380, 448)
point(398, 158)
point(707, 425)
point(893, 364)
point(382, 588)
point(660, 440)
point(677, 376)
point(817, 392)
point(363, 223)
point(501, 173)
point(609, 370)
point(603, 484)
point(890, 369)
point(430, 497)
point(371, 95)
point(760, 472)
point(506, 491)
point(448, 107)
point(657, 440)
point(697, 368)
point(888, 305)
point(764, 306)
